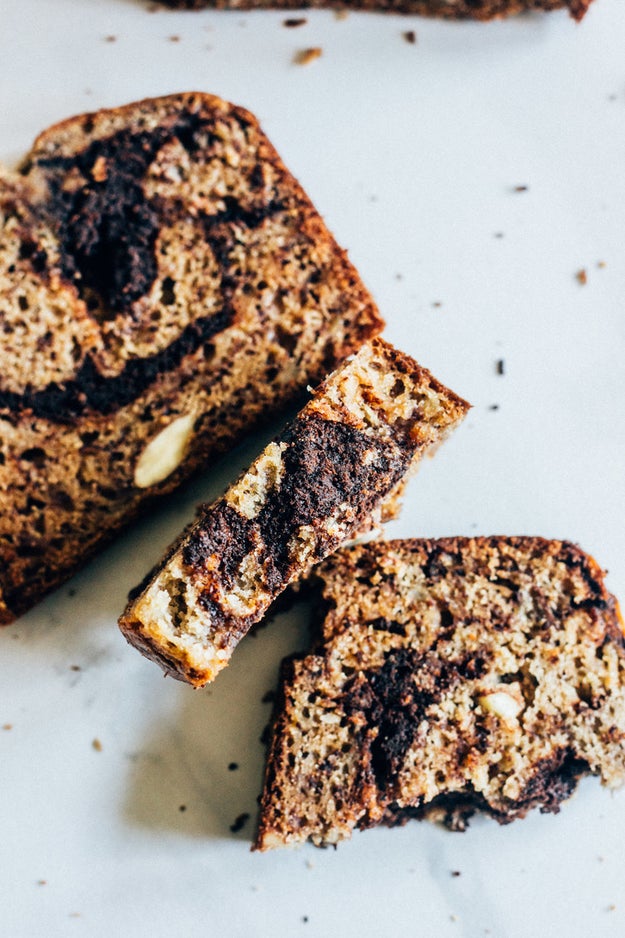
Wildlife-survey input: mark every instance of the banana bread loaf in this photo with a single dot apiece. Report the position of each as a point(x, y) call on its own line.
point(329, 475)
point(165, 283)
point(451, 676)
point(450, 9)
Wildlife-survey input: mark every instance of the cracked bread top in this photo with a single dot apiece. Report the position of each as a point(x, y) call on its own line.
point(166, 283)
point(331, 473)
point(449, 676)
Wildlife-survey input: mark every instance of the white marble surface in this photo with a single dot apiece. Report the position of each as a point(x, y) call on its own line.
point(412, 153)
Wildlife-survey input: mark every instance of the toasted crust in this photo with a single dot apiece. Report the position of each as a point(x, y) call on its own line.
point(449, 676)
point(447, 9)
point(166, 285)
point(335, 470)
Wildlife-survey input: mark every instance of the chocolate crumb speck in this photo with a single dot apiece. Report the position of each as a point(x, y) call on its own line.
point(437, 304)
point(582, 277)
point(110, 38)
point(239, 822)
point(455, 872)
point(493, 407)
point(233, 766)
point(521, 188)
point(74, 667)
point(306, 56)
point(182, 808)
point(294, 21)
point(97, 745)
point(174, 38)
point(500, 366)
point(304, 918)
point(410, 36)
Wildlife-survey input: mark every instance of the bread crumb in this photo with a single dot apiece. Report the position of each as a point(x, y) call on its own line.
point(493, 407)
point(7, 726)
point(601, 265)
point(611, 907)
point(500, 366)
point(455, 872)
point(174, 38)
point(582, 277)
point(239, 822)
point(306, 56)
point(410, 36)
point(521, 188)
point(341, 14)
point(97, 745)
point(293, 21)
point(110, 38)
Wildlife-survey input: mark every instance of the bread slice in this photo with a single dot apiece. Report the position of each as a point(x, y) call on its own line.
point(331, 474)
point(165, 284)
point(450, 676)
point(448, 9)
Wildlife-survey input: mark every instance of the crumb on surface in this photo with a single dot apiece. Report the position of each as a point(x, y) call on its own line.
point(110, 38)
point(7, 726)
point(42, 882)
point(293, 21)
point(182, 808)
point(233, 766)
point(239, 822)
point(521, 188)
point(306, 56)
point(341, 14)
point(493, 407)
point(582, 277)
point(97, 745)
point(174, 38)
point(437, 304)
point(500, 366)
point(410, 36)
point(455, 872)
point(601, 265)
point(74, 667)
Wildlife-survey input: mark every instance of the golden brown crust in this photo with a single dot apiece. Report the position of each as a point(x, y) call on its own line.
point(447, 9)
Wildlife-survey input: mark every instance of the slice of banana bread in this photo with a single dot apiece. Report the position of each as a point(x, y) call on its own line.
point(165, 283)
point(451, 676)
point(449, 9)
point(331, 474)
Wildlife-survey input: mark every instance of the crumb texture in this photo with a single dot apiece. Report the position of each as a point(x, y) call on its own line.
point(448, 677)
point(334, 472)
point(168, 284)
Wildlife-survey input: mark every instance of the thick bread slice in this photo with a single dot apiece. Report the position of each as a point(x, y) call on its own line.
point(448, 9)
point(331, 474)
point(451, 676)
point(165, 283)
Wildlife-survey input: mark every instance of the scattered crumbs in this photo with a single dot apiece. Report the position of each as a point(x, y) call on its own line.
point(455, 872)
point(521, 188)
point(611, 907)
point(582, 277)
point(601, 265)
point(97, 745)
point(7, 726)
point(110, 38)
point(269, 697)
point(500, 366)
point(306, 56)
point(437, 304)
point(265, 736)
point(182, 808)
point(239, 822)
point(498, 234)
point(74, 667)
point(42, 882)
point(410, 36)
point(341, 14)
point(493, 407)
point(293, 21)
point(174, 39)
point(233, 766)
